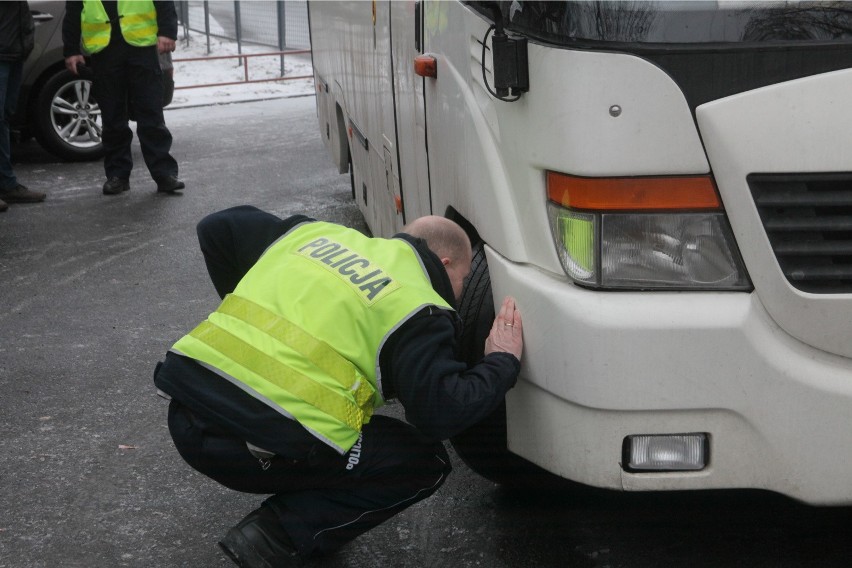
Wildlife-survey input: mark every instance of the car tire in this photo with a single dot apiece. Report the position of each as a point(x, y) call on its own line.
point(483, 446)
point(67, 120)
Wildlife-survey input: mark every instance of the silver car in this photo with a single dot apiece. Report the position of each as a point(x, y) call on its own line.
point(56, 106)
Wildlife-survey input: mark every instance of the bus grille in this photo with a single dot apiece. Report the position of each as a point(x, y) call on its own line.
point(808, 219)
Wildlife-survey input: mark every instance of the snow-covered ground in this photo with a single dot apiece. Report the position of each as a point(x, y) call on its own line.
point(189, 73)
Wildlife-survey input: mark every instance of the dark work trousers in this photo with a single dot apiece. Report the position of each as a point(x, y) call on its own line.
point(323, 499)
point(122, 73)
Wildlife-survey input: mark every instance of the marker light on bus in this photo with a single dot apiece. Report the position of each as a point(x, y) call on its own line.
point(643, 233)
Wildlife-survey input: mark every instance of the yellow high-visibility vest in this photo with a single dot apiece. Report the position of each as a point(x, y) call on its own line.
point(303, 329)
point(137, 18)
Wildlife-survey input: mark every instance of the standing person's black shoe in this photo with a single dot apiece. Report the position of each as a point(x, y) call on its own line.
point(259, 541)
point(115, 185)
point(3, 205)
point(20, 194)
point(169, 184)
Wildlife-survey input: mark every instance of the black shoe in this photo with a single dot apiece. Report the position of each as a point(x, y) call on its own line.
point(3, 205)
point(259, 541)
point(115, 185)
point(20, 194)
point(169, 184)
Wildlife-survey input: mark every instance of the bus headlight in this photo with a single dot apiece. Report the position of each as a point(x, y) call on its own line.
point(644, 233)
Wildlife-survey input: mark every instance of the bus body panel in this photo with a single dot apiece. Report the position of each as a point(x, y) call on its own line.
point(355, 37)
point(492, 167)
point(799, 126)
point(411, 112)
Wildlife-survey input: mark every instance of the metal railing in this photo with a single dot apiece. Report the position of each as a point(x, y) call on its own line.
point(244, 61)
point(281, 25)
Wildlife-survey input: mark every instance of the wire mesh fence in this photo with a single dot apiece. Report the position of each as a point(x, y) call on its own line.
point(282, 25)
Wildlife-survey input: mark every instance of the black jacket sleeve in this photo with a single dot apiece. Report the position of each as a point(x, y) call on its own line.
point(71, 29)
point(16, 31)
point(441, 396)
point(167, 21)
point(232, 240)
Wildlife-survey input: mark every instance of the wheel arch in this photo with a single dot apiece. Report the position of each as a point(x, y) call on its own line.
point(453, 214)
point(483, 446)
point(342, 140)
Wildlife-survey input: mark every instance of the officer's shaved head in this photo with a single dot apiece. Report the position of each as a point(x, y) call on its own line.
point(448, 241)
point(443, 237)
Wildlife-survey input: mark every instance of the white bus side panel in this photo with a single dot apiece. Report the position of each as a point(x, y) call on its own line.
point(352, 55)
point(410, 116)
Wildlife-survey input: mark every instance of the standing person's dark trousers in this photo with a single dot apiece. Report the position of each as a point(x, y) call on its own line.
point(123, 71)
point(17, 37)
point(10, 83)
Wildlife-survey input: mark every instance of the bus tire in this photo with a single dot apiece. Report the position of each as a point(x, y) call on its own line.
point(482, 447)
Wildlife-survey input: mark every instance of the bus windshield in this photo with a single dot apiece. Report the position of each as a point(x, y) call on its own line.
point(677, 21)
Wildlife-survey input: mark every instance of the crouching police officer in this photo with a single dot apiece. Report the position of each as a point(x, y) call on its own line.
point(274, 392)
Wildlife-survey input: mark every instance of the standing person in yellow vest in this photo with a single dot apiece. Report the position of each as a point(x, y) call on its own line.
point(122, 40)
point(275, 392)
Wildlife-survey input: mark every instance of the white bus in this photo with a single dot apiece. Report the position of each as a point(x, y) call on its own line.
point(665, 188)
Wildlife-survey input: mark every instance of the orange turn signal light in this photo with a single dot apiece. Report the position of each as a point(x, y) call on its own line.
point(633, 193)
point(426, 66)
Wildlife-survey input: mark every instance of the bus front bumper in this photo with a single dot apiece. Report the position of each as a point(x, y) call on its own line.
point(601, 366)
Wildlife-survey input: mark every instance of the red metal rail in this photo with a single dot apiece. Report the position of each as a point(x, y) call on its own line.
point(244, 57)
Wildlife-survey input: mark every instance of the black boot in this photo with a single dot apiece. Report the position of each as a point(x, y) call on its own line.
point(21, 194)
point(169, 184)
point(259, 541)
point(116, 185)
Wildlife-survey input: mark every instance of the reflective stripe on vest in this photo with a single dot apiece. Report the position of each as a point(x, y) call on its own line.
point(138, 21)
point(317, 352)
point(280, 376)
point(308, 345)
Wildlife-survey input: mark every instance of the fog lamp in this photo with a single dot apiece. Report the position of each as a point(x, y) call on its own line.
point(666, 452)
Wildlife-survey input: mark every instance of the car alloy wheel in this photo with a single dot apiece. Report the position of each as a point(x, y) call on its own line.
point(68, 119)
point(75, 115)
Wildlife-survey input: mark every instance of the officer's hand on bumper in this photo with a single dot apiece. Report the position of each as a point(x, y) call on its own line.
point(507, 331)
point(72, 61)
